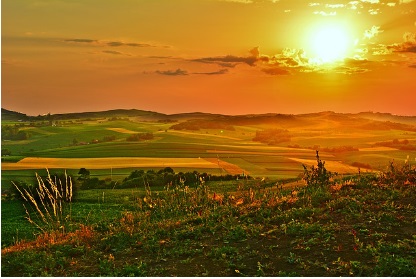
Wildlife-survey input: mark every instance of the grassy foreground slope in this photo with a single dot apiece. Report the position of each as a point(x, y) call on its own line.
point(358, 226)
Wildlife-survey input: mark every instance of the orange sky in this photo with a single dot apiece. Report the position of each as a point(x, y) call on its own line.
point(219, 56)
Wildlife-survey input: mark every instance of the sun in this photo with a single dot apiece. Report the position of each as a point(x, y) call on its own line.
point(329, 43)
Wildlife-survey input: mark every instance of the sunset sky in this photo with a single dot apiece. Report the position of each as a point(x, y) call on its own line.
point(218, 56)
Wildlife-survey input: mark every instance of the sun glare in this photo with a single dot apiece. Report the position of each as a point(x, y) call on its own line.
point(330, 43)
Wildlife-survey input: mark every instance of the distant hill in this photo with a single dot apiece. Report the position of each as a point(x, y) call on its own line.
point(146, 115)
point(387, 117)
point(197, 120)
point(9, 115)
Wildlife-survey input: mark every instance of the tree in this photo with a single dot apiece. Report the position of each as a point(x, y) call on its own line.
point(84, 174)
point(5, 152)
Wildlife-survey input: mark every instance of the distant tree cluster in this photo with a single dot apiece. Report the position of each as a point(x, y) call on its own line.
point(151, 178)
point(10, 132)
point(5, 152)
point(93, 141)
point(399, 144)
point(140, 137)
point(114, 118)
point(272, 136)
point(195, 125)
point(109, 138)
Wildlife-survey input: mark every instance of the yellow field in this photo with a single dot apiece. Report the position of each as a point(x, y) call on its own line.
point(106, 163)
point(122, 130)
point(228, 167)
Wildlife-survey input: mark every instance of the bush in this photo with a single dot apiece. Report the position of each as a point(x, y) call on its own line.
point(317, 176)
point(140, 137)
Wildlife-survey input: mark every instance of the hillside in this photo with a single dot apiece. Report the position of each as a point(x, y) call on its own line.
point(358, 226)
point(8, 115)
point(365, 119)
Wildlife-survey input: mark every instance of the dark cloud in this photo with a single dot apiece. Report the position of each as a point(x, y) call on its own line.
point(220, 72)
point(350, 70)
point(228, 60)
point(115, 52)
point(412, 66)
point(117, 44)
point(177, 72)
point(277, 71)
point(161, 57)
point(356, 62)
point(408, 45)
point(81, 40)
point(110, 43)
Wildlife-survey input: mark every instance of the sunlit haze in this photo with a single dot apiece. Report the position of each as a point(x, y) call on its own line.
point(218, 56)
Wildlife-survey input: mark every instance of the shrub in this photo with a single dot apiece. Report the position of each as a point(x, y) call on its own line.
point(140, 137)
point(317, 176)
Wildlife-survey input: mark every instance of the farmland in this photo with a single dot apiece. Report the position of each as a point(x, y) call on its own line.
point(86, 138)
point(221, 227)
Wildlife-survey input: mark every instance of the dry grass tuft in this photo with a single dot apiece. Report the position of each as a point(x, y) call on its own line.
point(48, 202)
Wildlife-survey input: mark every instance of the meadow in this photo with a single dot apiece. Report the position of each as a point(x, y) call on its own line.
point(359, 221)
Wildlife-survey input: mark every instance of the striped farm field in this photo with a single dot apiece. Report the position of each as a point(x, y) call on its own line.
point(109, 162)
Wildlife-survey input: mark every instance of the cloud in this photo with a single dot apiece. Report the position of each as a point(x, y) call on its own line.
point(220, 72)
point(372, 32)
point(371, 1)
point(350, 70)
point(380, 49)
point(409, 44)
point(276, 71)
point(248, 1)
point(351, 62)
point(81, 40)
point(115, 52)
point(412, 66)
point(177, 72)
point(110, 43)
point(117, 44)
point(228, 60)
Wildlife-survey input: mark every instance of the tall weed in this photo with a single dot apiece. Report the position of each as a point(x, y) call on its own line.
point(49, 203)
